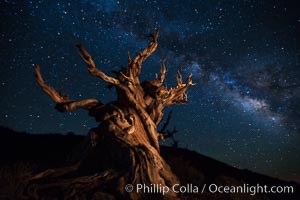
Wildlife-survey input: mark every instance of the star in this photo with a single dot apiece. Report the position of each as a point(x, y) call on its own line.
point(245, 64)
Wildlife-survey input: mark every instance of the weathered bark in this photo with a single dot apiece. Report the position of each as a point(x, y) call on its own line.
point(124, 148)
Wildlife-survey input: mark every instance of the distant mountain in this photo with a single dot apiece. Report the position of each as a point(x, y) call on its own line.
point(22, 154)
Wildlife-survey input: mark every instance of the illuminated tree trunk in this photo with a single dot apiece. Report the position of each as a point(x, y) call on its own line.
point(124, 148)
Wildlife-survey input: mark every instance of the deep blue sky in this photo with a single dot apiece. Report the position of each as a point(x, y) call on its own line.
point(244, 56)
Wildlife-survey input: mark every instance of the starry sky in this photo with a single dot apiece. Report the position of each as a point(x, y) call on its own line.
point(244, 56)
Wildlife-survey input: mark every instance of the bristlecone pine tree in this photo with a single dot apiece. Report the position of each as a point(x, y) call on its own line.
point(124, 148)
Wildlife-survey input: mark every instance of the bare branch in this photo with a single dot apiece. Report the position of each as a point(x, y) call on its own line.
point(47, 89)
point(166, 124)
point(129, 57)
point(143, 55)
point(73, 105)
point(63, 104)
point(136, 64)
point(178, 94)
point(169, 134)
point(164, 133)
point(127, 78)
point(163, 71)
point(179, 78)
point(157, 82)
point(86, 57)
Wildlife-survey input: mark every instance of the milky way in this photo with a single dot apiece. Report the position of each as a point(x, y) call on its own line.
point(244, 56)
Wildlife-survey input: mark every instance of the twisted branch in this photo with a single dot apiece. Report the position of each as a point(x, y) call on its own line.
point(134, 66)
point(62, 103)
point(86, 57)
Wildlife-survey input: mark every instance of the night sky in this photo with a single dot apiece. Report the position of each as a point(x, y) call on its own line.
point(244, 56)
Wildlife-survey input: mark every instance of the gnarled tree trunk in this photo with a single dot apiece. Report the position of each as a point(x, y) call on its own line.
point(124, 148)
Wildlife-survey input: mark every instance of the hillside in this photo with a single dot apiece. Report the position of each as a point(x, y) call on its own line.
point(23, 154)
